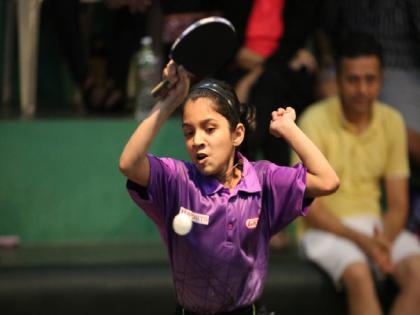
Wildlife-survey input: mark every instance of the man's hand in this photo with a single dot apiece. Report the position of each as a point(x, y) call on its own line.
point(379, 249)
point(382, 251)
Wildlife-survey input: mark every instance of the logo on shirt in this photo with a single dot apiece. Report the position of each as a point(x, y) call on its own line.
point(251, 223)
point(195, 217)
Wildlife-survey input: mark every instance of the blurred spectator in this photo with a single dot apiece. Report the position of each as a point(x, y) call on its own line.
point(63, 18)
point(396, 25)
point(365, 142)
point(287, 77)
point(259, 27)
point(100, 74)
point(111, 50)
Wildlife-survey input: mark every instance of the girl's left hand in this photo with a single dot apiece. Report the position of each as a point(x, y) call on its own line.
point(281, 119)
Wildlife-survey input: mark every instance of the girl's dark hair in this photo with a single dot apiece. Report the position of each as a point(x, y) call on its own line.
point(227, 104)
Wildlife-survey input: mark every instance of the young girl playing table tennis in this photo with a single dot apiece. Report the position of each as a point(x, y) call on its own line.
point(220, 266)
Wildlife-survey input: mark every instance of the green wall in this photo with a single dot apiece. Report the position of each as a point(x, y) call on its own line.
point(59, 180)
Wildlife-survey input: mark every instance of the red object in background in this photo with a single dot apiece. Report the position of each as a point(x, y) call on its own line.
point(265, 26)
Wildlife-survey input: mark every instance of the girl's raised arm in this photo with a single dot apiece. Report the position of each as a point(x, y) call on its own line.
point(133, 161)
point(321, 178)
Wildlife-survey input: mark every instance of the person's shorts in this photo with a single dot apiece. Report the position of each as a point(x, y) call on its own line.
point(334, 254)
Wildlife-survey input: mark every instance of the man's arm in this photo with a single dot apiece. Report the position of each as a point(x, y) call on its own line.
point(320, 218)
point(376, 248)
point(397, 206)
point(396, 178)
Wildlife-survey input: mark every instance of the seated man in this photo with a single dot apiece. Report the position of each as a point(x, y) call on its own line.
point(365, 142)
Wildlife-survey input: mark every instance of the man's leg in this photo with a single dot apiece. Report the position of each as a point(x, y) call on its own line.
point(347, 265)
point(360, 289)
point(407, 275)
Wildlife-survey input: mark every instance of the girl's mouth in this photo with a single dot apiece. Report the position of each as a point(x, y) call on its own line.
point(201, 157)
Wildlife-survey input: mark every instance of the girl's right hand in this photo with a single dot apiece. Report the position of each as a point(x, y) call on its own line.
point(281, 119)
point(179, 84)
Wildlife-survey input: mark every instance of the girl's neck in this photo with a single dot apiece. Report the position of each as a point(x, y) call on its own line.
point(232, 176)
point(233, 179)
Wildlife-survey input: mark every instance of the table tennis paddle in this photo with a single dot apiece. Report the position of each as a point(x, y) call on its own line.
point(202, 49)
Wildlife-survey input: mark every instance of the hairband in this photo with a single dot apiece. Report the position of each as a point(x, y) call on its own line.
point(216, 89)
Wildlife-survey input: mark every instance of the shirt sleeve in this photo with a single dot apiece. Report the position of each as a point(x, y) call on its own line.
point(286, 190)
point(397, 162)
point(159, 198)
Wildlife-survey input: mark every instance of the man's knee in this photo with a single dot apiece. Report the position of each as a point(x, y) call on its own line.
point(357, 277)
point(408, 274)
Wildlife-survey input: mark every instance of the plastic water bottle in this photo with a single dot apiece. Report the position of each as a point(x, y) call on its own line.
point(147, 76)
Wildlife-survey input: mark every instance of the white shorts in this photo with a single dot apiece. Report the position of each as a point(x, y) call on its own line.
point(334, 254)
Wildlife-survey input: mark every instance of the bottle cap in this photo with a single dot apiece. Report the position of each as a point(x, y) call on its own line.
point(147, 40)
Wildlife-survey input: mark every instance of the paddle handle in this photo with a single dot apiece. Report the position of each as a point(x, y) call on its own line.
point(160, 89)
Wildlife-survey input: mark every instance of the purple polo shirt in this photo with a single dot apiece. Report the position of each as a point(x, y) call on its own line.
point(222, 263)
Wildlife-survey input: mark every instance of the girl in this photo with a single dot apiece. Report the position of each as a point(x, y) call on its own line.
point(220, 266)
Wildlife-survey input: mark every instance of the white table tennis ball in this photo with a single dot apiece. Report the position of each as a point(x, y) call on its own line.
point(182, 224)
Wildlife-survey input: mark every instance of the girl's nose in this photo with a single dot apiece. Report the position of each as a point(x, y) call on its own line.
point(197, 139)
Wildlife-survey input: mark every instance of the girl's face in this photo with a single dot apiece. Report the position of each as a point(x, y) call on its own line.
point(209, 139)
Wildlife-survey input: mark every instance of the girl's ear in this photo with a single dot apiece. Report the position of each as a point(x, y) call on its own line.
point(238, 135)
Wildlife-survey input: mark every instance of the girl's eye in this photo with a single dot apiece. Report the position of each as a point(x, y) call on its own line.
point(188, 134)
point(210, 129)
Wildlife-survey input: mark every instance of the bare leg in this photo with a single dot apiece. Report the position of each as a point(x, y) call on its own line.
point(408, 277)
point(360, 289)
